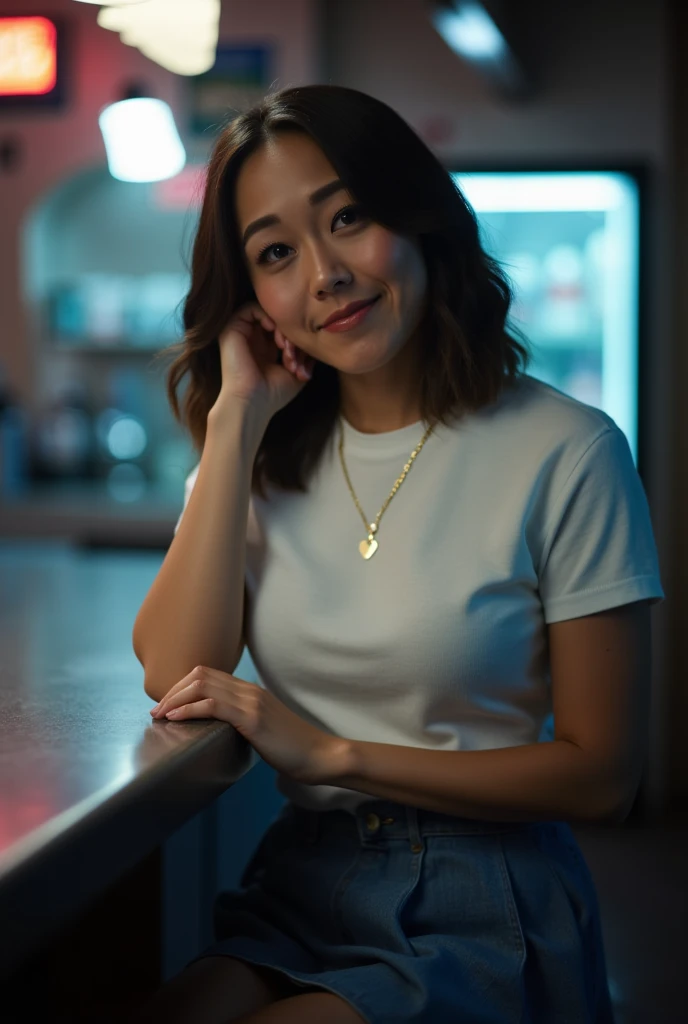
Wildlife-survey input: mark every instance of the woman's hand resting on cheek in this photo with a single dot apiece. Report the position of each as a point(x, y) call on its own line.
point(288, 743)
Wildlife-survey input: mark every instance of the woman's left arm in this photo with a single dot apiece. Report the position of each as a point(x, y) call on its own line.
point(600, 670)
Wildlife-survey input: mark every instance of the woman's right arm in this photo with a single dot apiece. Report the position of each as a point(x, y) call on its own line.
point(193, 612)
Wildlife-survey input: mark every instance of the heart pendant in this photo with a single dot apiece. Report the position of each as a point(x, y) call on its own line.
point(368, 548)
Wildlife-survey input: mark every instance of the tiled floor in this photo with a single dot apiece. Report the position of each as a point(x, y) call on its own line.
point(640, 872)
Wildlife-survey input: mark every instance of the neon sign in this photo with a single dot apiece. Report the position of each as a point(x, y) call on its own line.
point(28, 56)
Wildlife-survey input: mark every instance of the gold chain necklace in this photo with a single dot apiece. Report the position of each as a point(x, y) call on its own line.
point(369, 547)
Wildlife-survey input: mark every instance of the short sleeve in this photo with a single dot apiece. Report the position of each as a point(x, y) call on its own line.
point(599, 549)
point(188, 488)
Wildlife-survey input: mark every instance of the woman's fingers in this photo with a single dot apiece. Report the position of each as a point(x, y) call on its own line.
point(293, 358)
point(198, 709)
point(186, 695)
point(301, 363)
point(198, 687)
point(290, 356)
point(172, 693)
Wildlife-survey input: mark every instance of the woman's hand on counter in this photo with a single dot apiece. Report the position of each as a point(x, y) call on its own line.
point(283, 739)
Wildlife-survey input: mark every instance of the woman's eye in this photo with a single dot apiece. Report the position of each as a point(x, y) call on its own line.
point(262, 255)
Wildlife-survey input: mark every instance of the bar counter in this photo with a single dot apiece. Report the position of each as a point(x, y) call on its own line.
point(89, 784)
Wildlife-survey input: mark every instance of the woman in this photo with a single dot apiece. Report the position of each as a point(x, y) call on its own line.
point(423, 868)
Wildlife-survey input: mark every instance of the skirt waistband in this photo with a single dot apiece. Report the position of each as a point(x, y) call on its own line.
point(385, 819)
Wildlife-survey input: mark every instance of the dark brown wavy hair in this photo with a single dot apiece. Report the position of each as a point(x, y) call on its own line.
point(470, 355)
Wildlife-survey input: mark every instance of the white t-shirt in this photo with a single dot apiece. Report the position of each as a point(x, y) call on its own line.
point(529, 511)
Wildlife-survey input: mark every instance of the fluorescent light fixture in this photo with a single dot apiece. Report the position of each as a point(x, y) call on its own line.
point(471, 32)
point(141, 140)
point(468, 29)
point(180, 35)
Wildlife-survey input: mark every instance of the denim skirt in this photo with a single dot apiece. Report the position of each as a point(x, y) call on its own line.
point(416, 917)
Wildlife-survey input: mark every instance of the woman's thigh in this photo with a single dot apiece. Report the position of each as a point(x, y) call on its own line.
point(215, 990)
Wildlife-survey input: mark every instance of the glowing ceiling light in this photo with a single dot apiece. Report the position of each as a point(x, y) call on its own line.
point(180, 35)
point(471, 32)
point(141, 140)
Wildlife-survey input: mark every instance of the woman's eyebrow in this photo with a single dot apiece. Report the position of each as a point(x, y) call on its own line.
point(319, 196)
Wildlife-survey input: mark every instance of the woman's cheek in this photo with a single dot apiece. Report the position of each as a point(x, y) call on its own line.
point(381, 253)
point(280, 302)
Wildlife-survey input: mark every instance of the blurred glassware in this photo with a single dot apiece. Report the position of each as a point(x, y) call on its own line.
point(14, 455)
point(564, 310)
point(117, 311)
point(64, 436)
point(121, 436)
point(126, 482)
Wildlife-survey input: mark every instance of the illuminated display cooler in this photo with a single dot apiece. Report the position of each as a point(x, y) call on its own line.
point(569, 242)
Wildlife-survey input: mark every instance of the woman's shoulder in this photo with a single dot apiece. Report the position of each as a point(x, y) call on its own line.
point(540, 407)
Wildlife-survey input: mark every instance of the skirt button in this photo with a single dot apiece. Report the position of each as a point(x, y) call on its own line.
point(416, 848)
point(373, 822)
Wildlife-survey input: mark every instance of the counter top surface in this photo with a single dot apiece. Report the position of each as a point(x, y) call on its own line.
point(81, 761)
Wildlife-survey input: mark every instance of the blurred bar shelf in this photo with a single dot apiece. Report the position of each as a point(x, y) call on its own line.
point(87, 513)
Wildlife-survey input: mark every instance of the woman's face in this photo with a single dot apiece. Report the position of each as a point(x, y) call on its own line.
point(319, 259)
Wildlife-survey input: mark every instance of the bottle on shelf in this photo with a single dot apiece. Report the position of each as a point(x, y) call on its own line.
point(14, 457)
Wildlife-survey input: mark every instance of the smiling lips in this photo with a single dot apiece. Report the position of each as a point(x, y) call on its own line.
point(341, 314)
